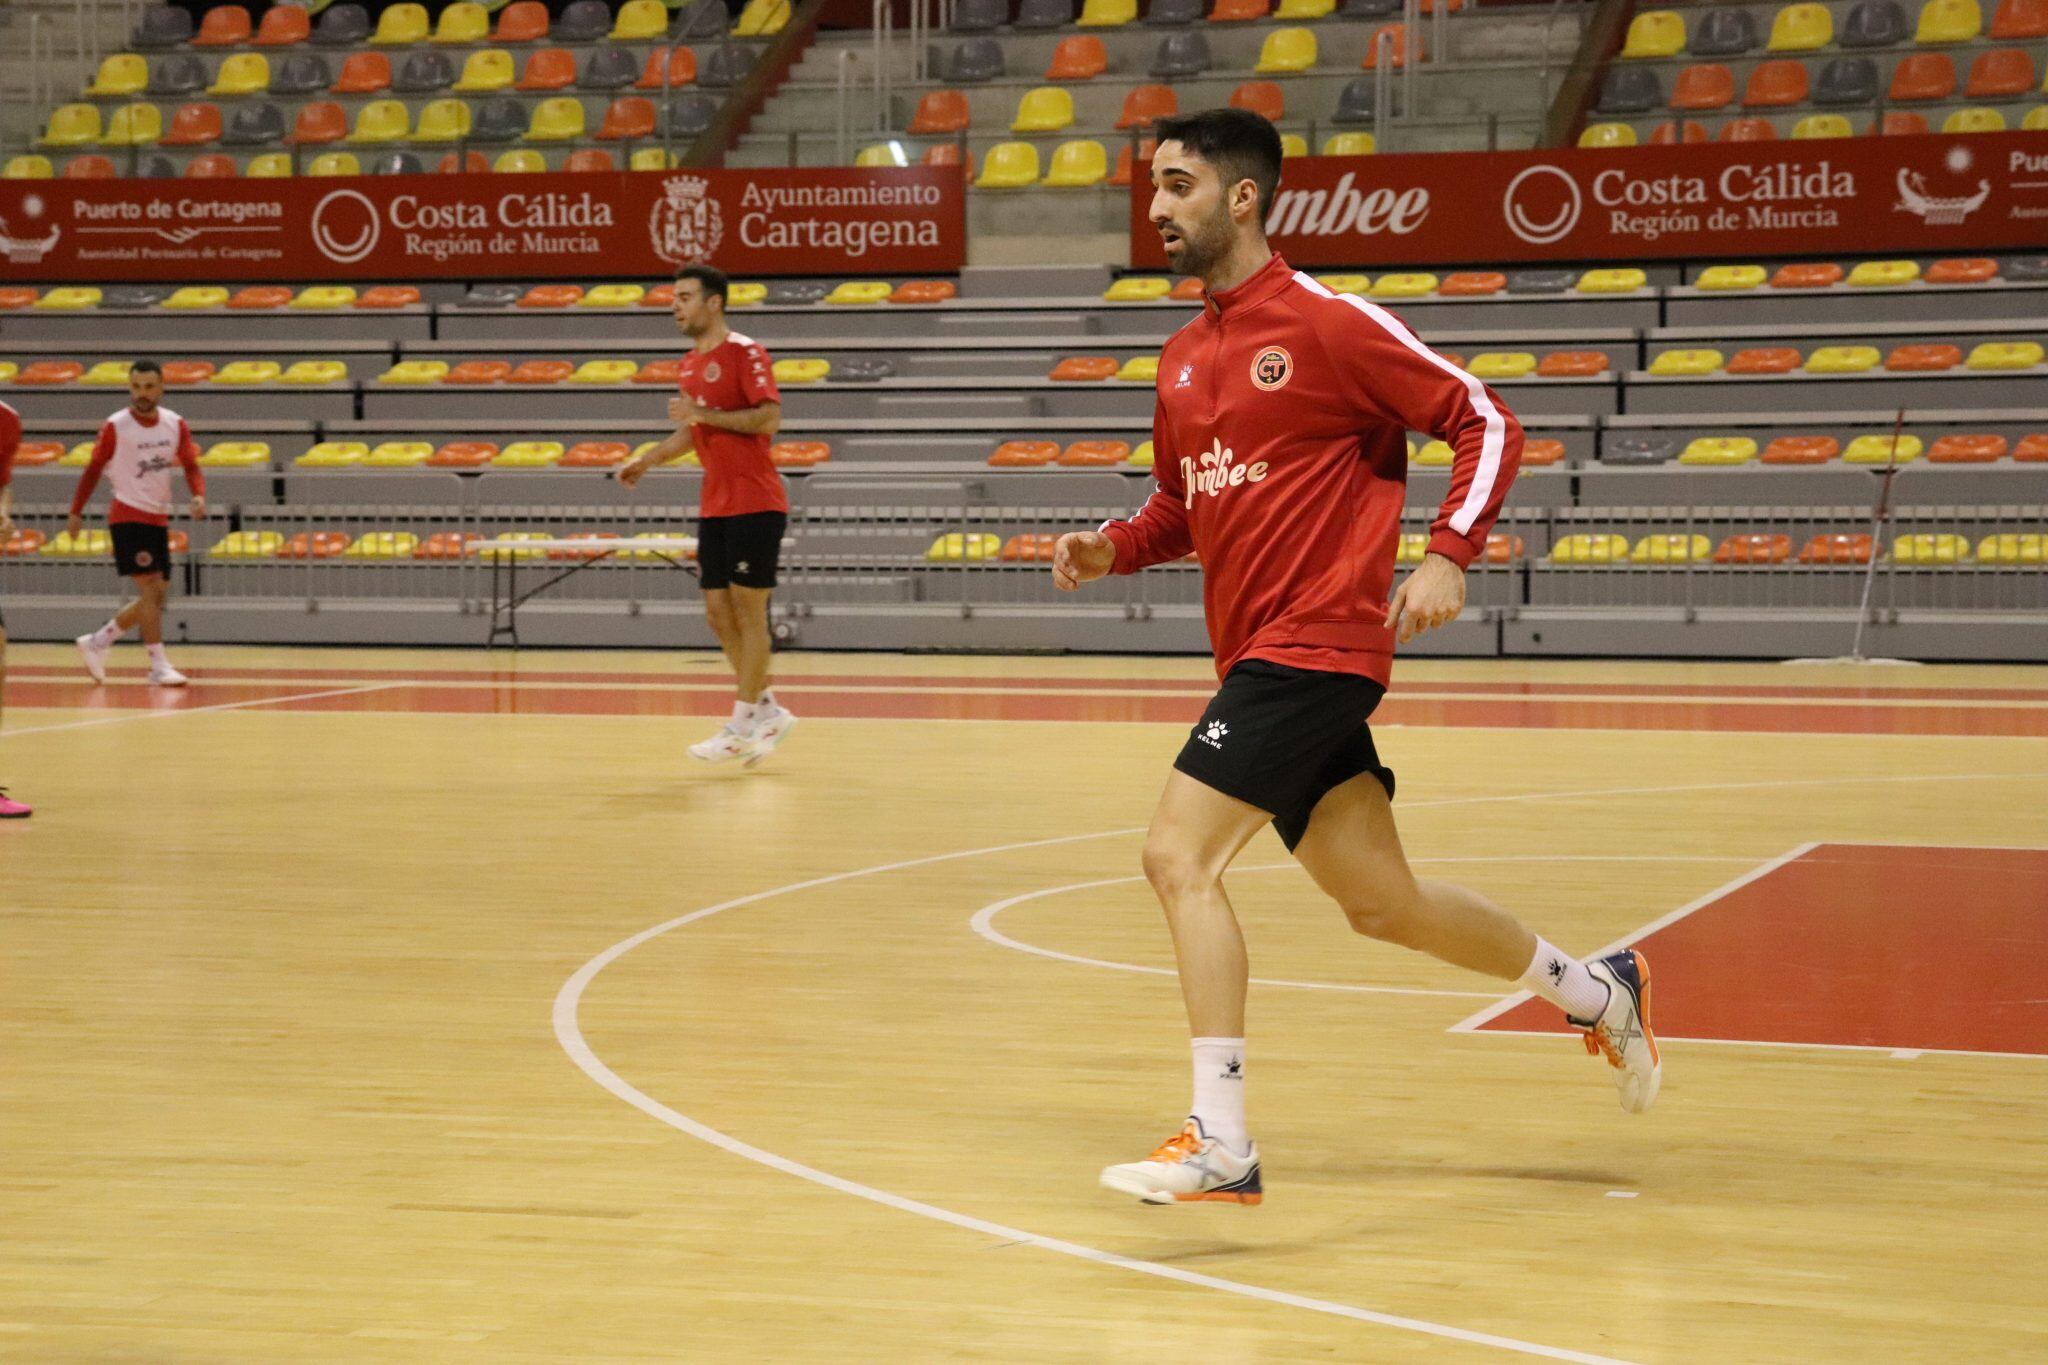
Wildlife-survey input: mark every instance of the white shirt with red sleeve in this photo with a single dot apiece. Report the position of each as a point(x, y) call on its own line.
point(137, 457)
point(1280, 448)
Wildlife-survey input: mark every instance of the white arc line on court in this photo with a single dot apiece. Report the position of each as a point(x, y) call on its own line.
point(984, 921)
point(169, 711)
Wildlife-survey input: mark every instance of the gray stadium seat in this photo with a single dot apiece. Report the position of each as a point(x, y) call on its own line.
point(177, 73)
point(1173, 13)
point(2026, 270)
point(341, 26)
point(1370, 9)
point(582, 21)
point(498, 120)
point(862, 369)
point(160, 26)
point(133, 296)
point(1847, 80)
point(255, 125)
point(1355, 100)
point(727, 66)
point(1723, 33)
point(979, 16)
point(1181, 55)
point(796, 291)
point(493, 295)
point(1633, 448)
point(700, 19)
point(1045, 14)
point(1630, 90)
point(1541, 281)
point(609, 68)
point(1874, 23)
point(156, 166)
point(424, 73)
point(397, 163)
point(691, 114)
point(977, 59)
point(301, 73)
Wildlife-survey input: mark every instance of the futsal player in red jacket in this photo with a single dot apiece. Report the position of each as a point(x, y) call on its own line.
point(10, 442)
point(1280, 449)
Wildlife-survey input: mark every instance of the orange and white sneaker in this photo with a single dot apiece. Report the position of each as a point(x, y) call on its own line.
point(1189, 1167)
point(1622, 1032)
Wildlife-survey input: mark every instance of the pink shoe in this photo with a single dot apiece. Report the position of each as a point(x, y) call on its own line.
point(13, 810)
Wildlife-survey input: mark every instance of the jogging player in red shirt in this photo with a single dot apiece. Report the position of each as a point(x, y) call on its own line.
point(1280, 436)
point(10, 442)
point(729, 411)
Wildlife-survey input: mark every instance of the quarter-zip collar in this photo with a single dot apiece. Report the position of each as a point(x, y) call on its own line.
point(1262, 284)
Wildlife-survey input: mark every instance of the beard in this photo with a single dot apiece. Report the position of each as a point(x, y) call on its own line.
point(1201, 248)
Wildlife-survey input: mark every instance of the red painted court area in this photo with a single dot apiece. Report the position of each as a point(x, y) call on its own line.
point(1928, 949)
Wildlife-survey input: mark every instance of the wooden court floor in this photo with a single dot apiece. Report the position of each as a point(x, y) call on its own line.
point(366, 1006)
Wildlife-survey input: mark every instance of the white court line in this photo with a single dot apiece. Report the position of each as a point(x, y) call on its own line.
point(160, 714)
point(984, 921)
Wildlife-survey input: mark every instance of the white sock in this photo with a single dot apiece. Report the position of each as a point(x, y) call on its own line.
point(742, 716)
point(157, 657)
point(1219, 1091)
point(766, 706)
point(107, 634)
point(1564, 981)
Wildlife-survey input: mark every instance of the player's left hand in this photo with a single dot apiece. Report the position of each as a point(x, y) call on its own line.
point(682, 411)
point(198, 507)
point(1432, 596)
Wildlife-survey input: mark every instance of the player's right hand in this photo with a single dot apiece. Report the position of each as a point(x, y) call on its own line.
point(630, 472)
point(1081, 557)
point(73, 525)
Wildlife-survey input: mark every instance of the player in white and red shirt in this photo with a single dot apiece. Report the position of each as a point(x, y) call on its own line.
point(138, 448)
point(1280, 450)
point(10, 442)
point(729, 410)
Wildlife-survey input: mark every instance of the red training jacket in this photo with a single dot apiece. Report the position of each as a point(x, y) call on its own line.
point(1280, 447)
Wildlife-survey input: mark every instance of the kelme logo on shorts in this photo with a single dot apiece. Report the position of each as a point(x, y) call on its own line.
point(1272, 367)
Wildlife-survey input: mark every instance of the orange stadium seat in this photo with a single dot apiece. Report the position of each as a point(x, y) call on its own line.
point(1962, 270)
point(1019, 454)
point(463, 455)
point(2002, 73)
point(550, 68)
point(1900, 123)
point(595, 455)
point(15, 296)
point(22, 541)
point(212, 166)
point(319, 122)
point(1538, 451)
point(187, 371)
point(1095, 454)
point(1836, 549)
point(1078, 57)
point(1813, 275)
point(1923, 76)
point(1754, 549)
point(1081, 368)
point(479, 372)
point(1239, 11)
point(1802, 450)
point(1930, 357)
point(1263, 98)
point(193, 125)
point(92, 167)
point(1708, 85)
point(1472, 283)
point(283, 26)
point(543, 372)
point(445, 545)
point(1505, 549)
point(315, 545)
point(1765, 360)
point(565, 555)
point(799, 454)
point(1670, 133)
point(1747, 130)
point(261, 296)
point(923, 291)
point(940, 111)
point(472, 163)
point(1124, 160)
point(388, 296)
point(659, 372)
point(223, 26)
point(1188, 290)
point(1572, 365)
point(1973, 449)
point(524, 21)
point(2019, 19)
point(948, 154)
point(551, 296)
point(629, 116)
point(32, 453)
point(661, 296)
point(2032, 449)
point(682, 68)
point(1393, 37)
point(1145, 104)
point(1032, 547)
point(50, 372)
point(364, 73)
point(1775, 84)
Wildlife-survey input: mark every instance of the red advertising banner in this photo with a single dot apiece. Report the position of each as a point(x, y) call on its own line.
point(1917, 195)
point(749, 222)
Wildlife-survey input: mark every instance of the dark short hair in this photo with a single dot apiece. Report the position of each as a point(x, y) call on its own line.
point(710, 277)
point(145, 367)
point(1241, 145)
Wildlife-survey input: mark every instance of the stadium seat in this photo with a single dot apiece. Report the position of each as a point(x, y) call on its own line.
point(2036, 120)
point(2019, 19)
point(424, 73)
point(2012, 548)
point(612, 296)
point(1137, 289)
point(319, 122)
point(1107, 13)
point(974, 61)
point(49, 372)
point(324, 296)
point(1590, 549)
point(498, 120)
point(923, 291)
point(1360, 285)
point(1493, 365)
point(1802, 28)
point(415, 372)
point(1754, 548)
point(808, 370)
point(1141, 458)
point(1930, 548)
point(120, 75)
point(1747, 130)
point(1625, 280)
point(1078, 164)
point(223, 26)
point(1095, 454)
point(1139, 369)
point(1179, 56)
point(1671, 548)
point(236, 455)
point(1629, 90)
point(745, 294)
point(389, 296)
point(283, 26)
point(1349, 144)
point(133, 125)
point(463, 455)
point(1121, 176)
point(1084, 369)
point(1883, 274)
point(28, 168)
point(485, 72)
point(2005, 355)
point(1874, 23)
point(978, 16)
point(1765, 360)
point(401, 24)
point(335, 163)
point(106, 372)
point(727, 66)
point(761, 18)
point(72, 125)
point(879, 154)
point(383, 545)
point(1842, 360)
point(343, 25)
point(1723, 33)
point(468, 372)
point(604, 371)
point(2002, 73)
point(529, 455)
point(1962, 270)
point(1009, 166)
point(583, 21)
point(940, 111)
point(1035, 14)
point(680, 69)
point(1709, 85)
point(1847, 80)
point(630, 116)
point(1301, 11)
point(179, 73)
point(1807, 275)
point(549, 68)
point(1873, 449)
point(1624, 448)
point(1973, 121)
point(400, 455)
point(556, 120)
point(1837, 548)
point(1472, 283)
point(1670, 133)
point(1801, 450)
point(161, 26)
point(1404, 285)
point(1396, 40)
point(595, 455)
point(1819, 126)
point(1029, 548)
point(1286, 51)
point(1433, 454)
point(1948, 21)
point(1608, 135)
point(1655, 33)
point(1718, 450)
point(1687, 362)
point(1775, 84)
point(334, 455)
point(382, 121)
point(193, 125)
point(1923, 76)
point(1968, 449)
point(259, 298)
point(609, 68)
point(248, 372)
point(90, 167)
point(443, 121)
point(188, 372)
point(1044, 110)
point(1730, 277)
point(1080, 57)
point(1024, 454)
point(1573, 365)
point(247, 545)
point(1233, 11)
point(2032, 449)
point(256, 125)
point(1145, 104)
point(315, 544)
point(463, 22)
point(957, 547)
point(193, 297)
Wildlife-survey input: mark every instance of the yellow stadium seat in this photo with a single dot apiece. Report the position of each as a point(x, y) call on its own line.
point(1731, 277)
point(1590, 549)
point(861, 292)
point(1878, 449)
point(72, 125)
point(1930, 548)
point(1078, 164)
point(1293, 145)
point(324, 296)
point(1884, 274)
point(880, 154)
point(1303, 10)
point(1287, 50)
point(529, 455)
point(405, 23)
point(1816, 127)
point(1697, 361)
point(1973, 121)
point(1412, 285)
point(1843, 360)
point(613, 296)
point(1434, 454)
point(1345, 284)
point(605, 372)
point(1671, 548)
point(1608, 135)
point(92, 543)
point(520, 161)
point(1138, 289)
point(1349, 144)
point(1802, 28)
point(382, 121)
point(639, 20)
point(315, 372)
point(1502, 364)
point(335, 163)
point(242, 73)
point(1139, 369)
point(1949, 21)
point(1411, 548)
point(1107, 13)
point(762, 19)
point(8, 369)
point(400, 455)
point(958, 548)
point(69, 299)
point(2004, 355)
point(334, 455)
point(197, 296)
point(496, 553)
point(801, 371)
point(124, 73)
point(556, 120)
point(236, 455)
point(486, 71)
point(78, 456)
point(463, 23)
point(28, 168)
point(2013, 547)
point(415, 372)
point(383, 544)
point(1008, 166)
point(1719, 450)
point(745, 294)
point(112, 372)
point(134, 125)
point(653, 159)
point(1141, 457)
point(269, 166)
point(1656, 33)
point(1044, 110)
point(1625, 280)
point(2036, 120)
point(443, 121)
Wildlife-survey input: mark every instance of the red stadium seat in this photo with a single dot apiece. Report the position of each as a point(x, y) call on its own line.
point(1765, 360)
point(194, 125)
point(2019, 19)
point(1962, 270)
point(1775, 84)
point(257, 297)
point(1144, 104)
point(1754, 549)
point(1008, 455)
point(1239, 11)
point(14, 296)
point(1802, 450)
point(213, 166)
point(90, 167)
point(1836, 549)
point(1923, 76)
point(1815, 275)
point(524, 21)
point(1671, 132)
point(1747, 130)
point(31, 453)
point(223, 26)
point(661, 296)
point(1931, 357)
point(1263, 98)
point(1395, 38)
point(629, 116)
point(682, 68)
point(282, 26)
point(1709, 85)
point(550, 68)
point(1472, 283)
point(319, 122)
point(1976, 449)
point(2003, 73)
point(463, 455)
point(1084, 368)
point(364, 73)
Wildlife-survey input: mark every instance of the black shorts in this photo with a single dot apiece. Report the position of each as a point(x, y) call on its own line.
point(1281, 738)
point(744, 549)
point(140, 549)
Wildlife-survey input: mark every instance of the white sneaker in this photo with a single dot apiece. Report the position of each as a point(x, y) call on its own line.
point(725, 746)
point(1622, 1032)
point(768, 734)
point(163, 675)
point(95, 656)
point(1190, 1167)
